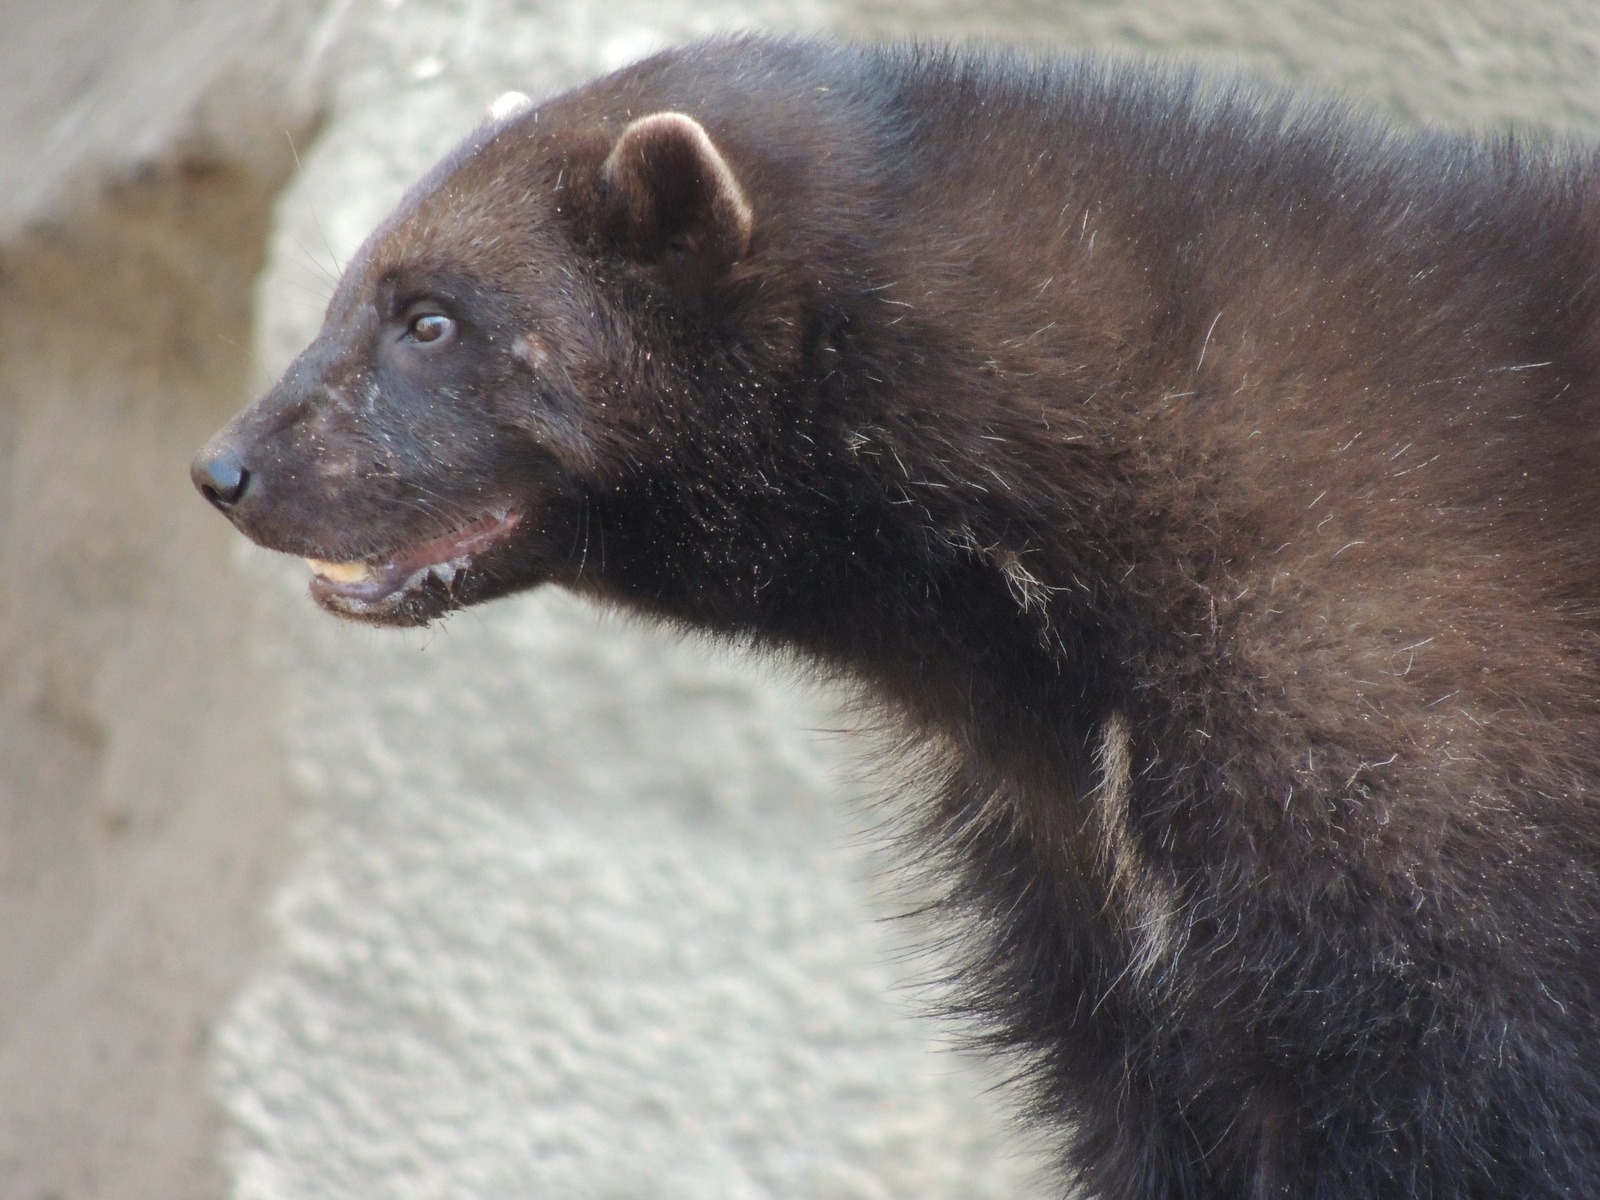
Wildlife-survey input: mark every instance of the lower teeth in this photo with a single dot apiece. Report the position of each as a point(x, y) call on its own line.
point(340, 572)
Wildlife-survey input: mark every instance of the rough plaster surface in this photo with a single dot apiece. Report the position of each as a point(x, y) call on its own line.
point(142, 814)
point(568, 908)
point(614, 947)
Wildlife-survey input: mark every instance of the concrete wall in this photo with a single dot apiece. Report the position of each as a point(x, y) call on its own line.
point(535, 903)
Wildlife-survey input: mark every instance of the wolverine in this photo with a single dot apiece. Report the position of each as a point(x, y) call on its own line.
point(1203, 481)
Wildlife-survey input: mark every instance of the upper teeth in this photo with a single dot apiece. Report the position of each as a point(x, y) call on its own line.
point(340, 572)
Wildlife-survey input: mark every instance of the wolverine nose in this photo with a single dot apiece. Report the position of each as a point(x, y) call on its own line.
point(220, 474)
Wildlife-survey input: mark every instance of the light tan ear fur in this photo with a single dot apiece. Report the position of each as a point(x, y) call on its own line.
point(639, 166)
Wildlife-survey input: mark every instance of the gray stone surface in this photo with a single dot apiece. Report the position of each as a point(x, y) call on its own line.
point(143, 817)
point(536, 903)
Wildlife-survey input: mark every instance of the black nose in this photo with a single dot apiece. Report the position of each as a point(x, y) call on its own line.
point(220, 475)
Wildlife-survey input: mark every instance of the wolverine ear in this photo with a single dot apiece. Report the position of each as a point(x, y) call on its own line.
point(672, 199)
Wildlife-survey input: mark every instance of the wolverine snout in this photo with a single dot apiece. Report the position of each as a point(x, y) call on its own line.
point(220, 474)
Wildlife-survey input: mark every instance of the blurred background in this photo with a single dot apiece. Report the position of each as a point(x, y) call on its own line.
point(533, 903)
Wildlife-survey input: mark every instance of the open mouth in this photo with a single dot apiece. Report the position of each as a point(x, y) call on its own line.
point(363, 585)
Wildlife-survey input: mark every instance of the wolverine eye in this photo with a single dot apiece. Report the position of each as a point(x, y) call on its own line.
point(430, 327)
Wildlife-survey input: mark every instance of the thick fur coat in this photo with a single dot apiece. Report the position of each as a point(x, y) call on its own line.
point(1206, 480)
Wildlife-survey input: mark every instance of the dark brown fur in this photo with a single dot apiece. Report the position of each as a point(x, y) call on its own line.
point(1206, 479)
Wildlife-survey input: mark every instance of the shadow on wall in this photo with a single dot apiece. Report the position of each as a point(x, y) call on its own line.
point(141, 814)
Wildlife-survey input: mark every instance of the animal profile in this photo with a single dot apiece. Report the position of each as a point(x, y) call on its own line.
point(1205, 479)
